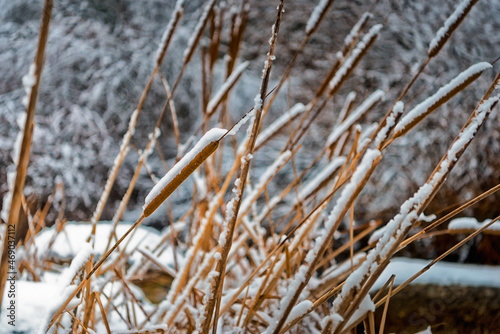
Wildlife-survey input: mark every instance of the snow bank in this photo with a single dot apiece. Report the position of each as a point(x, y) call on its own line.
point(75, 235)
point(442, 273)
point(465, 223)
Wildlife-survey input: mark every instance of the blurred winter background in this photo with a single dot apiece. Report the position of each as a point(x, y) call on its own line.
point(100, 55)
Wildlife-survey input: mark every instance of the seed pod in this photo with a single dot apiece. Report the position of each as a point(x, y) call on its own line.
point(181, 170)
point(445, 93)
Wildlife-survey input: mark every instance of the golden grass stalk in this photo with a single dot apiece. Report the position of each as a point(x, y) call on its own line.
point(218, 281)
point(453, 21)
point(198, 31)
point(169, 32)
point(24, 152)
point(347, 197)
point(386, 306)
point(445, 93)
point(410, 211)
point(317, 16)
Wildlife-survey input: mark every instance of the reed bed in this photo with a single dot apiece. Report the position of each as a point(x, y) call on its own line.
point(239, 264)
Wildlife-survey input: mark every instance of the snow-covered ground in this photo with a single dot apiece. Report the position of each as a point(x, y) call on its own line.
point(34, 297)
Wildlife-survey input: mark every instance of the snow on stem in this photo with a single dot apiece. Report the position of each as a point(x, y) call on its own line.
point(322, 177)
point(279, 124)
point(264, 179)
point(198, 31)
point(350, 63)
point(410, 210)
point(355, 116)
point(424, 108)
point(390, 123)
point(353, 35)
point(344, 202)
point(182, 169)
point(317, 15)
point(451, 23)
point(467, 223)
point(226, 87)
point(169, 31)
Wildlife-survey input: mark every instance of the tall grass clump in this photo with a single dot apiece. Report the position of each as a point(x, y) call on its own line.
point(250, 252)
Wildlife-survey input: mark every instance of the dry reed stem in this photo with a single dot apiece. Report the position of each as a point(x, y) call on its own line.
point(120, 157)
point(79, 323)
point(383, 121)
point(386, 306)
point(325, 83)
point(128, 135)
point(260, 294)
point(320, 301)
point(247, 281)
point(357, 58)
point(230, 82)
point(182, 275)
point(449, 29)
point(436, 105)
point(23, 159)
point(200, 28)
point(169, 32)
point(166, 270)
point(218, 281)
point(173, 113)
point(88, 302)
point(432, 53)
point(97, 297)
point(354, 296)
point(326, 241)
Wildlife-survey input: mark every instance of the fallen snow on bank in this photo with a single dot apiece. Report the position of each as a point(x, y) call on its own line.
point(442, 273)
point(74, 236)
point(467, 223)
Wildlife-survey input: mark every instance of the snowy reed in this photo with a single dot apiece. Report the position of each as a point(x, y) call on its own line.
point(32, 85)
point(249, 253)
